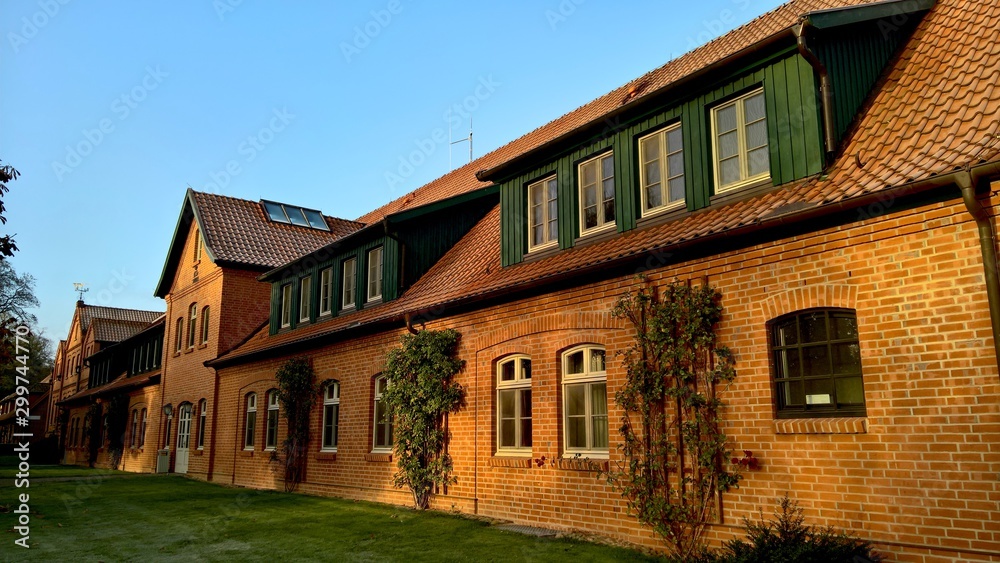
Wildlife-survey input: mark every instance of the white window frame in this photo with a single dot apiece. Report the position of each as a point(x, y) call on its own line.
point(377, 398)
point(286, 305)
point(204, 324)
point(326, 291)
point(741, 125)
point(348, 286)
point(331, 409)
point(374, 292)
point(552, 239)
point(250, 422)
point(135, 429)
point(666, 175)
point(588, 378)
point(602, 223)
point(271, 426)
point(305, 299)
point(521, 382)
point(179, 336)
point(143, 417)
point(202, 421)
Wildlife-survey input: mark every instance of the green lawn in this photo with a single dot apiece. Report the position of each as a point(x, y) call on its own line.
point(150, 517)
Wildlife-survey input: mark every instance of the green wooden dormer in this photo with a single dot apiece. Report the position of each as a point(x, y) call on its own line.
point(373, 265)
point(766, 116)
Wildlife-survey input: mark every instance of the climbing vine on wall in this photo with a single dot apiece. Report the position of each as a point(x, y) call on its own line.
point(674, 450)
point(420, 392)
point(297, 392)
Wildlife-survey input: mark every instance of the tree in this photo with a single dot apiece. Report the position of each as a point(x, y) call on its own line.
point(39, 351)
point(420, 391)
point(673, 448)
point(17, 295)
point(297, 392)
point(7, 174)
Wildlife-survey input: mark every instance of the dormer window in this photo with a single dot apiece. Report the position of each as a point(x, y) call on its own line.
point(375, 274)
point(286, 305)
point(661, 174)
point(543, 223)
point(347, 284)
point(305, 294)
point(597, 193)
point(739, 136)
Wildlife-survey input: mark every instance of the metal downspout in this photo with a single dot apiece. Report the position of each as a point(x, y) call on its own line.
point(825, 88)
point(967, 181)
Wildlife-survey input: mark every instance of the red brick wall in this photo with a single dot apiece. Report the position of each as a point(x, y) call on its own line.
point(919, 470)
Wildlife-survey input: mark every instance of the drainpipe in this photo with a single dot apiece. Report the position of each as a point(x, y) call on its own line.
point(967, 181)
point(408, 317)
point(825, 88)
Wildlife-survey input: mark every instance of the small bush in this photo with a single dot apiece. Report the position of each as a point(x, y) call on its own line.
point(787, 538)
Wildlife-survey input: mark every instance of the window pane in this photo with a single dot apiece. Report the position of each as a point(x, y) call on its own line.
point(650, 148)
point(537, 195)
point(677, 189)
point(538, 235)
point(274, 212)
point(675, 140)
point(538, 215)
point(816, 360)
point(525, 369)
point(753, 107)
point(758, 161)
point(590, 196)
point(599, 399)
point(574, 362)
point(590, 217)
point(525, 433)
point(843, 327)
point(725, 118)
point(507, 371)
point(507, 433)
point(525, 403)
point(675, 164)
point(791, 393)
point(296, 217)
point(729, 171)
point(846, 359)
point(596, 360)
point(609, 211)
point(850, 390)
point(328, 426)
point(757, 135)
point(786, 333)
point(589, 173)
point(316, 220)
point(654, 196)
point(552, 189)
point(788, 363)
point(652, 172)
point(813, 327)
point(819, 392)
point(729, 145)
point(507, 402)
point(576, 400)
point(608, 167)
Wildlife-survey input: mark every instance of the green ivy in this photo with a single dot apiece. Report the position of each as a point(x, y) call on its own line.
point(673, 448)
point(297, 392)
point(420, 391)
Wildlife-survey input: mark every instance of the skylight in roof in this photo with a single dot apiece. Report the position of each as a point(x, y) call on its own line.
point(284, 213)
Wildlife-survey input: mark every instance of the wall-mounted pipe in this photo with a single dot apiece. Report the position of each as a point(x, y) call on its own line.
point(968, 181)
point(825, 88)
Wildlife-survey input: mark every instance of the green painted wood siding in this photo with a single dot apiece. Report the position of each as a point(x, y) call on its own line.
point(794, 138)
point(429, 237)
point(390, 281)
point(855, 58)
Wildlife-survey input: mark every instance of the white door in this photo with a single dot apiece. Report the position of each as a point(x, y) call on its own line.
point(183, 438)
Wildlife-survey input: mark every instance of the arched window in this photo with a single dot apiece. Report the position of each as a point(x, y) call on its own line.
point(192, 324)
point(142, 428)
point(382, 441)
point(251, 421)
point(202, 419)
point(514, 405)
point(134, 429)
point(331, 416)
point(179, 334)
point(816, 360)
point(585, 401)
point(204, 324)
point(271, 437)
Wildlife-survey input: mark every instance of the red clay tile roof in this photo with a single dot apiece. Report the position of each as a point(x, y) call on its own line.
point(938, 109)
point(238, 231)
point(463, 179)
point(91, 312)
point(107, 330)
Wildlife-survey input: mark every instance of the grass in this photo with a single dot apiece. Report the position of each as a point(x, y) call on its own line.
point(157, 517)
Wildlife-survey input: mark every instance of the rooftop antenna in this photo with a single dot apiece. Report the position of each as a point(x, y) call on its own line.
point(80, 288)
point(462, 140)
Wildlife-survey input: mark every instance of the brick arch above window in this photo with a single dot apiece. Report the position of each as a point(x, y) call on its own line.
point(548, 323)
point(810, 297)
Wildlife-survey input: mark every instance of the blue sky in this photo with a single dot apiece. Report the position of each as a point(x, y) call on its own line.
point(110, 110)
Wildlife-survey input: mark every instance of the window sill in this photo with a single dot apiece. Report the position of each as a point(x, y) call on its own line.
point(577, 464)
point(740, 192)
point(189, 350)
point(541, 253)
point(325, 456)
point(518, 462)
point(203, 345)
point(246, 453)
point(177, 354)
point(595, 237)
point(345, 310)
point(270, 449)
point(373, 301)
point(662, 216)
point(843, 425)
point(198, 453)
point(379, 457)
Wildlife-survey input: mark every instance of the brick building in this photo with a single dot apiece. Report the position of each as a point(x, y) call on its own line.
point(829, 167)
